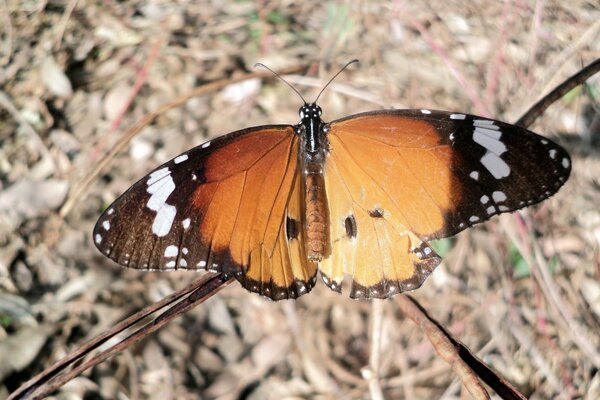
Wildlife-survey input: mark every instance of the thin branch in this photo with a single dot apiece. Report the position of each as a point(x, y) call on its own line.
point(466, 365)
point(538, 108)
point(51, 379)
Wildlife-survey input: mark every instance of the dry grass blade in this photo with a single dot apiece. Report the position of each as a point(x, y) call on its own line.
point(51, 379)
point(371, 373)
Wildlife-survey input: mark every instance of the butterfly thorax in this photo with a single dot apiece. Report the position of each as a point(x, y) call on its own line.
point(312, 155)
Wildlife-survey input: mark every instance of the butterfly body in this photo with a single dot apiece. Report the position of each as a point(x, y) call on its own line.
point(312, 155)
point(359, 196)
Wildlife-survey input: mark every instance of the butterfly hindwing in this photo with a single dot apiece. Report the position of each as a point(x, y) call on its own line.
point(282, 270)
point(210, 208)
point(398, 178)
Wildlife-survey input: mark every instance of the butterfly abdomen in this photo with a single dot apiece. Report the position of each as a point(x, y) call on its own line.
point(317, 217)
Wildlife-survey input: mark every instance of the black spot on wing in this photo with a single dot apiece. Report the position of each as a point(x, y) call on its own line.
point(376, 213)
point(350, 225)
point(291, 228)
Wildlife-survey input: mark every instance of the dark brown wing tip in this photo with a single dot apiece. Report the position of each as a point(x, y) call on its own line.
point(275, 292)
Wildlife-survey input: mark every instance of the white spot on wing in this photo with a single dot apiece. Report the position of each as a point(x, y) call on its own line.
point(473, 218)
point(98, 238)
point(205, 145)
point(552, 153)
point(485, 123)
point(489, 139)
point(164, 220)
point(474, 175)
point(185, 250)
point(171, 251)
point(427, 251)
point(183, 263)
point(186, 223)
point(170, 264)
point(484, 199)
point(426, 111)
point(106, 225)
point(491, 210)
point(158, 175)
point(181, 159)
point(160, 186)
point(201, 264)
point(498, 196)
point(497, 167)
point(457, 116)
point(110, 211)
point(565, 162)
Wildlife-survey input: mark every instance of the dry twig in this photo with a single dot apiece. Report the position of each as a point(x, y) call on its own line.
point(51, 379)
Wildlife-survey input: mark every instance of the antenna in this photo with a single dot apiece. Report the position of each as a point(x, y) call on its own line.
point(280, 77)
point(335, 76)
point(296, 90)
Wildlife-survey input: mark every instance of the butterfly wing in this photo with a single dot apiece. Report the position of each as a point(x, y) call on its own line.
point(221, 206)
point(396, 179)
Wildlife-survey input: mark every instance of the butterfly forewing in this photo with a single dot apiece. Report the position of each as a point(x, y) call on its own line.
point(208, 208)
point(399, 178)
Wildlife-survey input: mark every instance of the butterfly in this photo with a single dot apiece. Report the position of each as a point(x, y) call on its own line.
point(361, 196)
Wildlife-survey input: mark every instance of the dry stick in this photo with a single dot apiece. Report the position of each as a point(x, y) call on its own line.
point(538, 108)
point(466, 365)
point(444, 345)
point(371, 373)
point(49, 380)
point(82, 186)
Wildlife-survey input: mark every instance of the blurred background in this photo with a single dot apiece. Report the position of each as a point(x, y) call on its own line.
point(75, 75)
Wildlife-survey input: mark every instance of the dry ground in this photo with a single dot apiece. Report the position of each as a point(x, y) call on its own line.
point(74, 75)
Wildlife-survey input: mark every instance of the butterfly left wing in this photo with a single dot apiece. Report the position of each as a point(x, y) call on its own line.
point(221, 206)
point(396, 179)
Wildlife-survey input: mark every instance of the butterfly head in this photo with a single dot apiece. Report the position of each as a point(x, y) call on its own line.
point(310, 111)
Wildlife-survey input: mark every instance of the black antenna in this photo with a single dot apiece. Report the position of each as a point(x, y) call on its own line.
point(279, 76)
point(335, 76)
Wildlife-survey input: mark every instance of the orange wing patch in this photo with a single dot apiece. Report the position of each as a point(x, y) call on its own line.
point(382, 204)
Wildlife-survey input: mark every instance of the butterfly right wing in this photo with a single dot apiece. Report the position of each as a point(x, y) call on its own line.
point(398, 178)
point(220, 206)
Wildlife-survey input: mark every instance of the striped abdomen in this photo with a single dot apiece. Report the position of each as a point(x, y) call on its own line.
point(317, 217)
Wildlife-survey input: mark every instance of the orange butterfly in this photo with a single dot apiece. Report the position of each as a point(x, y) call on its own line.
point(362, 195)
